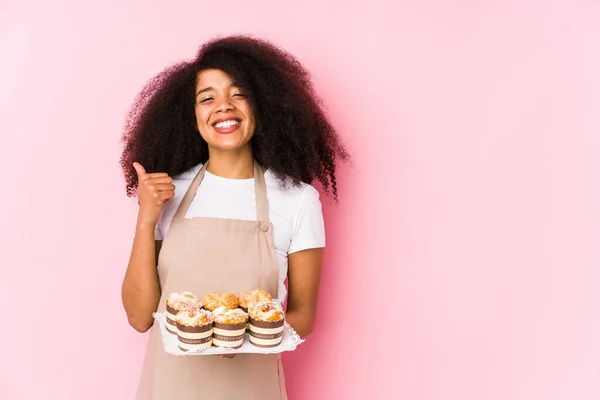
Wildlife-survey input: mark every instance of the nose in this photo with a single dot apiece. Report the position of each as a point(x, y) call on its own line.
point(224, 104)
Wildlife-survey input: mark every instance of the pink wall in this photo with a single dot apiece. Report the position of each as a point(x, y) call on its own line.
point(469, 224)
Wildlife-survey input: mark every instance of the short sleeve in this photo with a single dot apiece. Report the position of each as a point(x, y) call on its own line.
point(308, 225)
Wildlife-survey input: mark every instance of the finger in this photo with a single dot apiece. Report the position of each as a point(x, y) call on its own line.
point(139, 169)
point(158, 177)
point(165, 196)
point(154, 175)
point(159, 187)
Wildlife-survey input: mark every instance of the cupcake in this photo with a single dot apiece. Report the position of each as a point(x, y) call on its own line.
point(266, 324)
point(213, 300)
point(229, 301)
point(176, 303)
point(230, 327)
point(247, 299)
point(194, 329)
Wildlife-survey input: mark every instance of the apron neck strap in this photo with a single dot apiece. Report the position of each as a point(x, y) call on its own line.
point(190, 193)
point(260, 187)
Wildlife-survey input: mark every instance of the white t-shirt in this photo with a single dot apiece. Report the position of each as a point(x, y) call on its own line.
point(295, 212)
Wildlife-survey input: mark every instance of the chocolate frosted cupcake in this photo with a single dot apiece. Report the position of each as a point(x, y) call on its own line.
point(194, 329)
point(257, 296)
point(266, 324)
point(176, 303)
point(230, 327)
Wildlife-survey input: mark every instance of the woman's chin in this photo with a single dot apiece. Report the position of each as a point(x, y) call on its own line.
point(229, 145)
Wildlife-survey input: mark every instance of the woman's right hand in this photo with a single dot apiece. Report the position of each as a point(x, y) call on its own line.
point(153, 191)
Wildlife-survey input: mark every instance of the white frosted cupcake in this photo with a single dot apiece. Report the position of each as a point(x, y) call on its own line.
point(194, 329)
point(230, 327)
point(266, 324)
point(177, 302)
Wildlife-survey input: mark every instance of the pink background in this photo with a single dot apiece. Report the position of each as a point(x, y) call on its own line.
point(463, 258)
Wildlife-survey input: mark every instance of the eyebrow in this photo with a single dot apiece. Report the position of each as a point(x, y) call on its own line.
point(208, 89)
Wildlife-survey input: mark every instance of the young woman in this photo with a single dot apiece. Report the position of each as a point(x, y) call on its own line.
point(221, 152)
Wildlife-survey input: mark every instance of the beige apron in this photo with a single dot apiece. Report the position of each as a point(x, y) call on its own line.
point(203, 255)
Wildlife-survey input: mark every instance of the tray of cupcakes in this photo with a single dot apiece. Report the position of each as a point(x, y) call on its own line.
point(223, 323)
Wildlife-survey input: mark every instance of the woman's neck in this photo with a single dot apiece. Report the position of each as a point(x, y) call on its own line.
point(237, 164)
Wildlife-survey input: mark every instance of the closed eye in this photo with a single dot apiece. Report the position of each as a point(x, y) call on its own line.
point(205, 100)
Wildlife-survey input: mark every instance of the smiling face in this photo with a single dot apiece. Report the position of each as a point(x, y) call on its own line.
point(225, 119)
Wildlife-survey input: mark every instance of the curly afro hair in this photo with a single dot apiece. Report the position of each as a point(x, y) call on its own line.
point(293, 137)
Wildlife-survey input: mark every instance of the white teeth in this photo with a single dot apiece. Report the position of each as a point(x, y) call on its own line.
point(226, 124)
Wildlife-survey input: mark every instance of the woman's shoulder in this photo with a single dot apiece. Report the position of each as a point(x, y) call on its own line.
point(301, 208)
point(288, 191)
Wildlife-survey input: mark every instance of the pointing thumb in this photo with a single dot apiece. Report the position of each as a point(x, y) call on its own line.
point(139, 169)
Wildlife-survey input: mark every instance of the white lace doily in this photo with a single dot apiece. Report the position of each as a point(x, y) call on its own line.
point(289, 342)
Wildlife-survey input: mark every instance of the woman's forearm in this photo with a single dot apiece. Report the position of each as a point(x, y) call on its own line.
point(141, 290)
point(303, 323)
